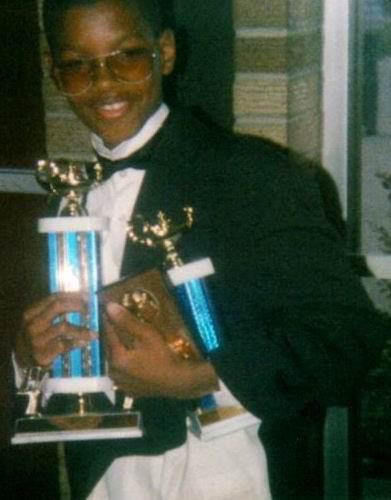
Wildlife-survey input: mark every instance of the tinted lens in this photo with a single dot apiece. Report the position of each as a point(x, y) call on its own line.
point(133, 66)
point(74, 76)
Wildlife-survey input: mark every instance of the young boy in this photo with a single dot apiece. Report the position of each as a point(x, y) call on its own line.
point(299, 331)
point(109, 57)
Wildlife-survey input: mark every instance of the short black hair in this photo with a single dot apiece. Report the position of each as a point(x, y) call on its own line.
point(158, 14)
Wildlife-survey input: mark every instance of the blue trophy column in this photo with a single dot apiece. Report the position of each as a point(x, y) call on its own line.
point(74, 265)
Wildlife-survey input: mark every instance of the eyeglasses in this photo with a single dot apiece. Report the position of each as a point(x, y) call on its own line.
point(76, 76)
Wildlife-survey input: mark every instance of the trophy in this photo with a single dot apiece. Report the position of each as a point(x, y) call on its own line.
point(218, 413)
point(75, 399)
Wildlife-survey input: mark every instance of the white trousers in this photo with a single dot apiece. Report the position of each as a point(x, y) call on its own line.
point(230, 467)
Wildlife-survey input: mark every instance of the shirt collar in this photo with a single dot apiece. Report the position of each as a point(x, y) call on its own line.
point(130, 146)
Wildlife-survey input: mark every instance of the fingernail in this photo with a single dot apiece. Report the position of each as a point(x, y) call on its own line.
point(113, 308)
point(81, 343)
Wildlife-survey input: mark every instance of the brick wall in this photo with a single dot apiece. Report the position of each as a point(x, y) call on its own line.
point(276, 89)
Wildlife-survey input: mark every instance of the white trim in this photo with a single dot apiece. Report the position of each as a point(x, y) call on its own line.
point(194, 270)
point(19, 180)
point(136, 142)
point(78, 385)
point(64, 224)
point(75, 385)
point(380, 265)
point(227, 425)
point(77, 435)
point(83, 435)
point(335, 92)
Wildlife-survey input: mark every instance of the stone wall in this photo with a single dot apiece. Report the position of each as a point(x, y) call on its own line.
point(65, 136)
point(276, 89)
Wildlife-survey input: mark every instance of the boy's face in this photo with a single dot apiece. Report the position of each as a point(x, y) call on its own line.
point(115, 110)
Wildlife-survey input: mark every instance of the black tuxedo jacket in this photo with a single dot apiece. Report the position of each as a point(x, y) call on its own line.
point(298, 326)
point(299, 331)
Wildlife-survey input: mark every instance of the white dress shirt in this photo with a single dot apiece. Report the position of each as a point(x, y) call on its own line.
point(116, 198)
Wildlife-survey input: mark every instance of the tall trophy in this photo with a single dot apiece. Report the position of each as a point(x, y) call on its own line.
point(75, 399)
point(218, 413)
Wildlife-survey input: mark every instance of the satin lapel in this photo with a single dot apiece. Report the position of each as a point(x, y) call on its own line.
point(165, 188)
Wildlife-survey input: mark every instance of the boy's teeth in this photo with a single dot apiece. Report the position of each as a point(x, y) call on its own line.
point(112, 107)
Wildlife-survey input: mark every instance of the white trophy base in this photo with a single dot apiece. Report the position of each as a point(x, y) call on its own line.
point(75, 409)
point(22, 436)
point(229, 416)
point(77, 385)
point(73, 224)
point(194, 270)
point(212, 424)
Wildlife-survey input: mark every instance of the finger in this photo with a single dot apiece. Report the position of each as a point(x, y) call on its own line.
point(128, 323)
point(58, 346)
point(124, 383)
point(36, 309)
point(59, 338)
point(111, 337)
point(46, 302)
point(125, 324)
point(45, 311)
point(73, 332)
point(119, 355)
point(60, 329)
point(120, 316)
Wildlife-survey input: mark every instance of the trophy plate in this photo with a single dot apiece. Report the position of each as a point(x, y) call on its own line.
point(53, 428)
point(210, 424)
point(71, 415)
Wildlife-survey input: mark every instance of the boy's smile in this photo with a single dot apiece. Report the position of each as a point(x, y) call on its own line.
point(110, 106)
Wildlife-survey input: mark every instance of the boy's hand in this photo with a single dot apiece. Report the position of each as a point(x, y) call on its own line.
point(142, 365)
point(41, 339)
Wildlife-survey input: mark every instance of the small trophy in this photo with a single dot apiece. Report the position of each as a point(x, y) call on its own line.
point(218, 413)
point(75, 400)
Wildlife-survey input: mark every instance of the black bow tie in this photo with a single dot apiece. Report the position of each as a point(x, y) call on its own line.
point(142, 159)
point(110, 167)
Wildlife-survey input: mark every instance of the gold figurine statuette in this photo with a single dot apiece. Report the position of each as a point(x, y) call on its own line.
point(70, 180)
point(164, 233)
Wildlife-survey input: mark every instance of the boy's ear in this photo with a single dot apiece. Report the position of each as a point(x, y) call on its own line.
point(167, 48)
point(48, 60)
point(49, 66)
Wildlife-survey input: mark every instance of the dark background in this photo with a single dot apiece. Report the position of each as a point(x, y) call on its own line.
point(22, 130)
